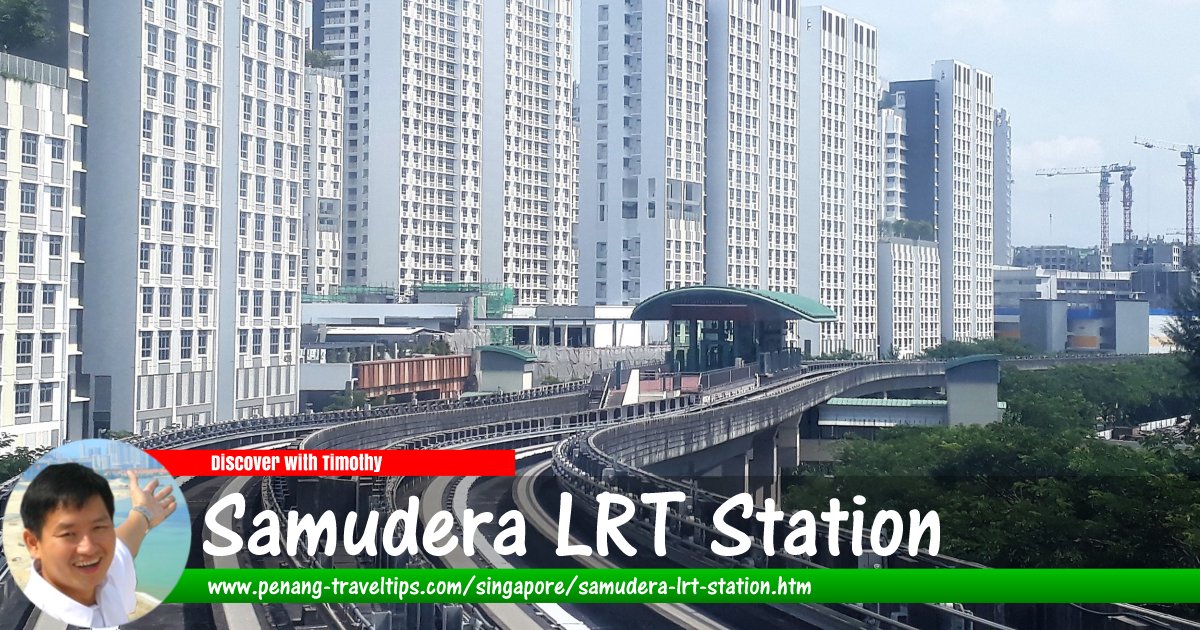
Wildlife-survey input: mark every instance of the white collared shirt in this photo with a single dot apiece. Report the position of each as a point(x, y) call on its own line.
point(115, 598)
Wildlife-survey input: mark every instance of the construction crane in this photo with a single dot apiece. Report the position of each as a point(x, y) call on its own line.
point(1105, 172)
point(1188, 153)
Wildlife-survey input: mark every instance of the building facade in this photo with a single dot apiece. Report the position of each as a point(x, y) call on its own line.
point(839, 167)
point(201, 121)
point(642, 166)
point(909, 297)
point(752, 112)
point(471, 101)
point(1002, 181)
point(321, 246)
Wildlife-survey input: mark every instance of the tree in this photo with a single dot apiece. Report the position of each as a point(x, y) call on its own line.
point(349, 399)
point(14, 462)
point(840, 355)
point(23, 23)
point(956, 349)
point(1184, 329)
point(319, 59)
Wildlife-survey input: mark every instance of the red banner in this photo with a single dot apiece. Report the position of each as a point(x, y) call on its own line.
point(366, 463)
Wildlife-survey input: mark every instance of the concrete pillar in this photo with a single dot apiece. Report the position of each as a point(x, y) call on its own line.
point(762, 468)
point(787, 443)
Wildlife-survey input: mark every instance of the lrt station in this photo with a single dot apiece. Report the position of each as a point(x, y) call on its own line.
point(726, 342)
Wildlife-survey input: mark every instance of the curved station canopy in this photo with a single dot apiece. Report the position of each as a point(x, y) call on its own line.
point(728, 303)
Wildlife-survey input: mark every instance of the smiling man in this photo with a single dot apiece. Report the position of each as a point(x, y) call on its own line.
point(83, 569)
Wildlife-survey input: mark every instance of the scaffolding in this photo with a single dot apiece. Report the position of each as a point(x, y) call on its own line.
point(352, 294)
point(497, 302)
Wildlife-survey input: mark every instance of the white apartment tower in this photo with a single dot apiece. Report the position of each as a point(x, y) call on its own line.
point(1002, 182)
point(965, 183)
point(198, 207)
point(465, 170)
point(38, 207)
point(321, 247)
point(753, 117)
point(909, 297)
point(642, 138)
point(839, 166)
point(893, 159)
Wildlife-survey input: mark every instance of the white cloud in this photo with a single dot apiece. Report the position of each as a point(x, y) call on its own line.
point(956, 15)
point(1060, 152)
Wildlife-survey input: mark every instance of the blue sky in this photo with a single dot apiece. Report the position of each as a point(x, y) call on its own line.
point(1080, 79)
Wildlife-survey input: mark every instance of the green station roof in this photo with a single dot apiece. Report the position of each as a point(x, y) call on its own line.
point(709, 302)
point(524, 355)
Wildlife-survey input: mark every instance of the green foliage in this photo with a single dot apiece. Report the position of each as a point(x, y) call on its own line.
point(1184, 330)
point(437, 347)
point(904, 228)
point(23, 23)
point(319, 59)
point(551, 380)
point(1038, 489)
point(381, 400)
point(840, 355)
point(956, 349)
point(14, 462)
point(352, 399)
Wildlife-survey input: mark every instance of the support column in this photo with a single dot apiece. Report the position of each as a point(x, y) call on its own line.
point(762, 468)
point(787, 443)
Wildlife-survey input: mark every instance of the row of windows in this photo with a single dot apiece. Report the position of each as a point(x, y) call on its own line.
point(30, 148)
point(27, 291)
point(27, 246)
point(186, 349)
point(23, 396)
point(191, 301)
point(55, 197)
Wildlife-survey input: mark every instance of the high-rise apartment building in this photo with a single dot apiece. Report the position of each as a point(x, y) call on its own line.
point(465, 170)
point(1002, 182)
point(321, 246)
point(198, 205)
point(43, 137)
point(753, 116)
point(642, 158)
point(893, 158)
point(950, 122)
point(909, 296)
point(839, 165)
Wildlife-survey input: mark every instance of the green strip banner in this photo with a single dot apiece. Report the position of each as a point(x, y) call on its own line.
point(644, 586)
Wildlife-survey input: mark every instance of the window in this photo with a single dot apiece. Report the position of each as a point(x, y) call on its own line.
point(185, 344)
point(203, 307)
point(262, 38)
point(287, 339)
point(256, 341)
point(243, 340)
point(164, 302)
point(210, 179)
point(57, 197)
point(168, 216)
point(49, 294)
point(210, 139)
point(58, 149)
point(169, 46)
point(24, 348)
point(164, 345)
point(259, 260)
point(274, 341)
point(260, 221)
point(144, 257)
point(280, 42)
point(147, 169)
point(277, 229)
point(258, 303)
point(207, 94)
point(28, 198)
point(48, 343)
point(193, 53)
point(276, 266)
point(210, 218)
point(202, 343)
point(151, 83)
point(260, 151)
point(3, 194)
point(29, 149)
point(207, 57)
point(22, 395)
point(211, 12)
point(189, 136)
point(189, 177)
point(189, 218)
point(148, 125)
point(26, 248)
point(54, 246)
point(168, 88)
point(147, 339)
point(208, 259)
point(275, 303)
point(189, 260)
point(168, 131)
point(244, 302)
point(242, 263)
point(151, 39)
point(168, 174)
point(3, 144)
point(165, 255)
point(147, 300)
point(187, 298)
point(24, 299)
point(193, 13)
point(46, 393)
point(191, 90)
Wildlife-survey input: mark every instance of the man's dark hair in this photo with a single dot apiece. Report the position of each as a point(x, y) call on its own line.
point(62, 485)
